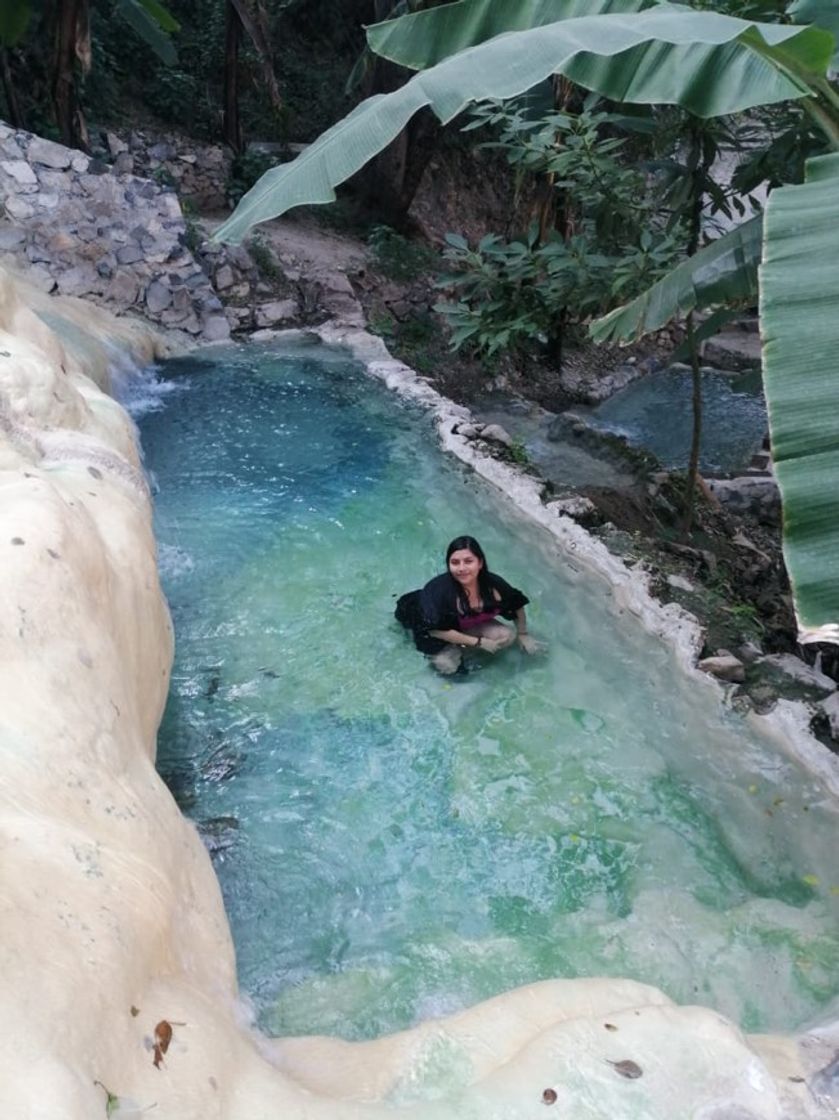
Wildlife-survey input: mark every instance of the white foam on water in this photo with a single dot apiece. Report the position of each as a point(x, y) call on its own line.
point(139, 389)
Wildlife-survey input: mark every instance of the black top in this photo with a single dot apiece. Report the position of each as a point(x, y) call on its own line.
point(434, 607)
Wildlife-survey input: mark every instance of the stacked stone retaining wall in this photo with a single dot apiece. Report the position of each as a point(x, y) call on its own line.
point(73, 225)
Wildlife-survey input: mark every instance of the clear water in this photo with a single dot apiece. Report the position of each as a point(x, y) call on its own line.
point(393, 845)
point(655, 413)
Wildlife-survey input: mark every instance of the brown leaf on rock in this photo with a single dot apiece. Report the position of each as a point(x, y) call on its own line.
point(135, 1011)
point(610, 1026)
point(549, 1096)
point(626, 1068)
point(162, 1038)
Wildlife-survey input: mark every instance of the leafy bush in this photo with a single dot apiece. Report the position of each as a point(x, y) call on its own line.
point(397, 257)
point(511, 293)
point(245, 169)
point(598, 239)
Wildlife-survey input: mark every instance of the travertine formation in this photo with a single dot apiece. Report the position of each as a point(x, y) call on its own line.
point(119, 992)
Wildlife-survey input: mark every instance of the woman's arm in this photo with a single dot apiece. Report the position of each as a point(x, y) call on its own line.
point(457, 638)
point(525, 640)
point(467, 641)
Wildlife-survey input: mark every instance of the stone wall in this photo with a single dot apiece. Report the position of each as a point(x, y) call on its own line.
point(198, 172)
point(74, 226)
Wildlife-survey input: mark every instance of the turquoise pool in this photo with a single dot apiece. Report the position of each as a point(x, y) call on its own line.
point(392, 845)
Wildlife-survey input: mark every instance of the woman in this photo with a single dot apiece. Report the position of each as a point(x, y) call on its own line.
point(457, 610)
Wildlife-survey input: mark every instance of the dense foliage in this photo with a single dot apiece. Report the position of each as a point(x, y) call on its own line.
point(314, 45)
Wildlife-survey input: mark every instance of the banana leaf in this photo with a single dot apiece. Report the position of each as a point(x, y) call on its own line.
point(723, 272)
point(823, 13)
point(153, 23)
point(799, 305)
point(707, 63)
point(425, 38)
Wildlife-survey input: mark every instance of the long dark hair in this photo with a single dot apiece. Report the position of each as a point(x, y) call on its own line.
point(484, 581)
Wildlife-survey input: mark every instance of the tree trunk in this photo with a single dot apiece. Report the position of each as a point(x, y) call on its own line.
point(695, 230)
point(231, 126)
point(72, 42)
point(696, 437)
point(390, 182)
point(255, 24)
point(12, 103)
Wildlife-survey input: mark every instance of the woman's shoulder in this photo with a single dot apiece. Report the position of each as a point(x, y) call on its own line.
point(439, 584)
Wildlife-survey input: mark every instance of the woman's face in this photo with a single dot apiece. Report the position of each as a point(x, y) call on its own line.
point(464, 565)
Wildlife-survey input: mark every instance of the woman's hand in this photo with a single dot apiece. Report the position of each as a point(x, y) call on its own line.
point(492, 645)
point(529, 644)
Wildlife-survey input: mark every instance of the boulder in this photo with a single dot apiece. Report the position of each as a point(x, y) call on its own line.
point(724, 667)
point(158, 297)
point(50, 154)
point(18, 208)
point(578, 508)
point(799, 671)
point(748, 496)
point(277, 311)
point(830, 707)
point(494, 433)
point(215, 328)
point(20, 171)
point(79, 281)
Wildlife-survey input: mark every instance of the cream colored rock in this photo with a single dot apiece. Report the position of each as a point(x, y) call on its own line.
point(111, 916)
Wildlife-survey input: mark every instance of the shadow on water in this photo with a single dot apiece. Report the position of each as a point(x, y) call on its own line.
point(393, 845)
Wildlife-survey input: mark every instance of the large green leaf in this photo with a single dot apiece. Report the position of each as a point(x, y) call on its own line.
point(426, 38)
point(723, 272)
point(152, 22)
point(823, 13)
point(800, 324)
point(708, 63)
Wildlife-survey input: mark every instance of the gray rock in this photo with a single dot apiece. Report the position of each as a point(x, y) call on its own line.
point(124, 164)
point(129, 254)
point(116, 146)
point(749, 652)
point(724, 668)
point(278, 311)
point(224, 278)
point(679, 583)
point(158, 297)
point(49, 153)
point(830, 707)
point(216, 328)
point(468, 431)
point(123, 290)
point(11, 237)
point(799, 671)
point(38, 254)
point(240, 257)
point(494, 433)
point(734, 350)
point(47, 200)
point(80, 162)
point(41, 278)
point(20, 171)
point(79, 281)
point(577, 508)
point(161, 151)
point(10, 149)
point(748, 496)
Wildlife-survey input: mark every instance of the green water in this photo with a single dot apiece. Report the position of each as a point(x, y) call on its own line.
point(393, 845)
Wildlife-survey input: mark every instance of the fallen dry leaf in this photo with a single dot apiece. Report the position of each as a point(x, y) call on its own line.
point(549, 1096)
point(626, 1068)
point(162, 1038)
point(610, 1026)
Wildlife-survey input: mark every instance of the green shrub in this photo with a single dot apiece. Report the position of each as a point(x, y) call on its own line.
point(397, 257)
